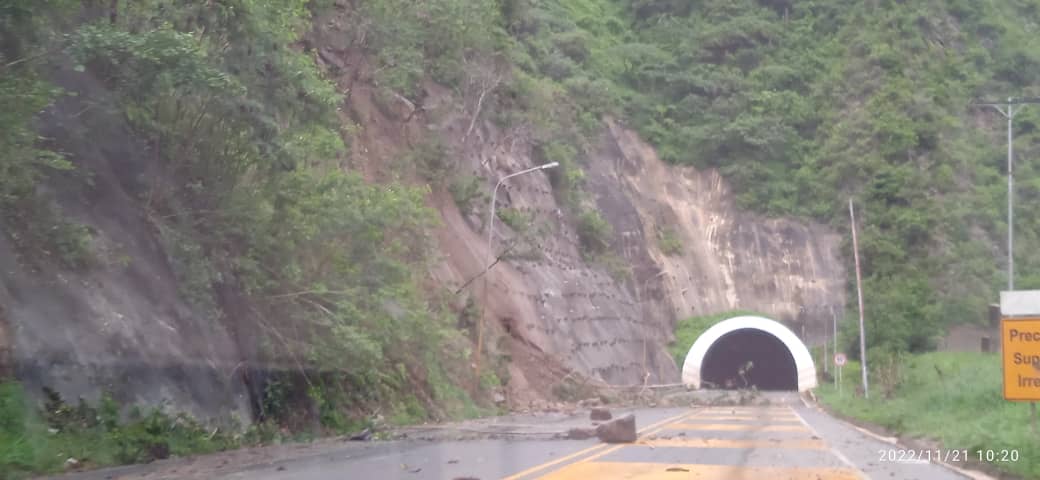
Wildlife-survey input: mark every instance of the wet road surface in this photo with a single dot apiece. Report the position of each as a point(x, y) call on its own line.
point(786, 440)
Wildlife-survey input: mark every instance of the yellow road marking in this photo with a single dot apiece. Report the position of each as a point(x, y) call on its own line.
point(645, 430)
point(724, 443)
point(785, 418)
point(649, 431)
point(727, 411)
point(654, 471)
point(737, 426)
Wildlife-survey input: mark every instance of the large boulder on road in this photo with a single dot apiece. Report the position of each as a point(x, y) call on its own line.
point(619, 430)
point(600, 414)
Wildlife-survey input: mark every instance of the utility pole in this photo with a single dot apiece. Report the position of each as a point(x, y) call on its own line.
point(826, 359)
point(859, 294)
point(1008, 110)
point(490, 259)
point(834, 318)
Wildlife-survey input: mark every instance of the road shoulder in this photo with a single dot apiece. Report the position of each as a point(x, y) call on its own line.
point(867, 452)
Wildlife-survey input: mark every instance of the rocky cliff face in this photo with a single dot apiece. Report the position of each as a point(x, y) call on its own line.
point(731, 259)
point(618, 330)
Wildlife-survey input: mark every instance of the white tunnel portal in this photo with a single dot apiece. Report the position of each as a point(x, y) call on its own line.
point(780, 361)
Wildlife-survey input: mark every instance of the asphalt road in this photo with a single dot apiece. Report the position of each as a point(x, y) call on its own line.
point(785, 440)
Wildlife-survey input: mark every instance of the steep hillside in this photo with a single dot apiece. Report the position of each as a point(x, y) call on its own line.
point(278, 210)
point(278, 213)
point(606, 313)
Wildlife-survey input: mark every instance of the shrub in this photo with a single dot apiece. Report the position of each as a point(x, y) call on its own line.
point(593, 232)
point(617, 267)
point(517, 220)
point(465, 189)
point(668, 241)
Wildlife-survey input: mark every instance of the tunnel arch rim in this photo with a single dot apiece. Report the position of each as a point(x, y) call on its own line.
point(803, 361)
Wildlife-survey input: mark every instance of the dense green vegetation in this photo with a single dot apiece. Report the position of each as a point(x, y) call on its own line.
point(962, 395)
point(803, 105)
point(688, 329)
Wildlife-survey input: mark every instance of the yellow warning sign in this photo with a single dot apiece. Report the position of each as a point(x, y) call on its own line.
point(1020, 342)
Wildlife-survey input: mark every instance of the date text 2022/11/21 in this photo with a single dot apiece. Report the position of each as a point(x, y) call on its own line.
point(910, 455)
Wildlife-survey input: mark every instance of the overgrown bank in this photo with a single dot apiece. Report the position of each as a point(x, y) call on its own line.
point(953, 398)
point(318, 272)
point(61, 437)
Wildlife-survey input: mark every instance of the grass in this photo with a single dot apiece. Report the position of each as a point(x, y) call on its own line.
point(517, 220)
point(688, 329)
point(618, 268)
point(669, 242)
point(465, 190)
point(953, 397)
point(34, 442)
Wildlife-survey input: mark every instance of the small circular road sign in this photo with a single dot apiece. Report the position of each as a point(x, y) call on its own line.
point(839, 359)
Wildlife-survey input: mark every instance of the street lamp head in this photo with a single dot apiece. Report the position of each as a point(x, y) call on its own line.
point(550, 165)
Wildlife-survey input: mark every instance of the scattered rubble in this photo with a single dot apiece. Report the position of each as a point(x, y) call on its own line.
point(590, 402)
point(580, 433)
point(362, 436)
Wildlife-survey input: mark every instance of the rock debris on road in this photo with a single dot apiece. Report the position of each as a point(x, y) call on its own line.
point(782, 440)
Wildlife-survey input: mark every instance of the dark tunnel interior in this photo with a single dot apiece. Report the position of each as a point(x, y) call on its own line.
point(772, 365)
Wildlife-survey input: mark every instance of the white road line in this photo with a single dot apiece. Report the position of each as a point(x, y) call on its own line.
point(972, 474)
point(830, 448)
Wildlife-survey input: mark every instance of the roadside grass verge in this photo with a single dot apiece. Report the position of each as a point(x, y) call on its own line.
point(40, 442)
point(954, 398)
point(37, 440)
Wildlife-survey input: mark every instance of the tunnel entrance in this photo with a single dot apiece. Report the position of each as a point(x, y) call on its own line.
point(748, 358)
point(778, 359)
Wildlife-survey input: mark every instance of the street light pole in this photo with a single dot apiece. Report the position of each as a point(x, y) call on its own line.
point(491, 257)
point(1009, 112)
point(642, 304)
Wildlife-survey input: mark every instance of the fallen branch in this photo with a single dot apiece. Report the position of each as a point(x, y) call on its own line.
point(475, 277)
point(473, 121)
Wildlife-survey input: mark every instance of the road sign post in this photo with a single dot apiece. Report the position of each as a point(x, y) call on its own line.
point(1020, 347)
point(839, 361)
